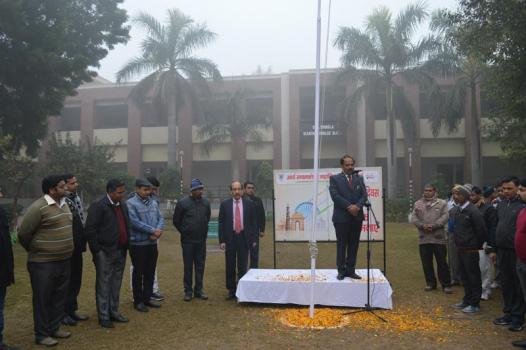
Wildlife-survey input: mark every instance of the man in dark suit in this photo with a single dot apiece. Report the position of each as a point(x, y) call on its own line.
point(250, 193)
point(237, 233)
point(107, 231)
point(349, 195)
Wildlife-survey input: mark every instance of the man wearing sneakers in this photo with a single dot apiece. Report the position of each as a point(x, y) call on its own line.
point(430, 216)
point(469, 232)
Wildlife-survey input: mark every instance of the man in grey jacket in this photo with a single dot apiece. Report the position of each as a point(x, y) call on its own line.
point(430, 215)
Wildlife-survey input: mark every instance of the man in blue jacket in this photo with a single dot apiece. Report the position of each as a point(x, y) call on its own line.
point(147, 225)
point(349, 195)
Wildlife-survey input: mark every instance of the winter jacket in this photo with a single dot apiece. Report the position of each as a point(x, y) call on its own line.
point(469, 230)
point(433, 212)
point(145, 218)
point(7, 275)
point(191, 217)
point(507, 211)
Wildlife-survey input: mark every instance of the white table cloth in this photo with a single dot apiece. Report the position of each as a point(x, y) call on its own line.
point(293, 287)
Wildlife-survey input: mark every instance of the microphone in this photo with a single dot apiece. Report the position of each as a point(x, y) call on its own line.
point(354, 172)
point(367, 204)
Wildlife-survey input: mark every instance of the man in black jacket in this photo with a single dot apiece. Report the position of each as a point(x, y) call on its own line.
point(7, 276)
point(191, 217)
point(470, 234)
point(507, 211)
point(237, 232)
point(250, 189)
point(107, 230)
point(79, 242)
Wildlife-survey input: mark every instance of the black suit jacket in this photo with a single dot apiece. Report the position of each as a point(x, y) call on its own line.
point(343, 195)
point(102, 228)
point(226, 218)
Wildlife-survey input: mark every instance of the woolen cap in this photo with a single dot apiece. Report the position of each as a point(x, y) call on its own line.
point(196, 184)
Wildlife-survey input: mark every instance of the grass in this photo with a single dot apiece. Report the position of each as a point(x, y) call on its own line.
point(220, 324)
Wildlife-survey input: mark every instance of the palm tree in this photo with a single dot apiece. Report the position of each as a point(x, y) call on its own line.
point(174, 72)
point(449, 108)
point(377, 57)
point(229, 118)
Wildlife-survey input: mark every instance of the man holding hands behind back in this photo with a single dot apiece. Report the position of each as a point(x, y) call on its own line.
point(349, 195)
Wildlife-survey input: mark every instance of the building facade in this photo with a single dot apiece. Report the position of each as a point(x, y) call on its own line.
point(102, 112)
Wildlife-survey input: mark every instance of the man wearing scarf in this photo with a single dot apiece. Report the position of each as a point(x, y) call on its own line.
point(430, 216)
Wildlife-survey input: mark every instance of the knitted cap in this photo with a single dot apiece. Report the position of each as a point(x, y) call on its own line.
point(464, 190)
point(196, 184)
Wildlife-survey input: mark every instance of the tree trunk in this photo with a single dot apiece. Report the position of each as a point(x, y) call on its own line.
point(474, 138)
point(171, 150)
point(392, 168)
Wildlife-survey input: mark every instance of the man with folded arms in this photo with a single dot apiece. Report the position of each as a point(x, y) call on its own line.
point(47, 236)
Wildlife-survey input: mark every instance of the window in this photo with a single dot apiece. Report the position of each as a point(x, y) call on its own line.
point(110, 116)
point(153, 116)
point(70, 119)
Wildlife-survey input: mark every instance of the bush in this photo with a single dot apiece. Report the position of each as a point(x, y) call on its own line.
point(397, 209)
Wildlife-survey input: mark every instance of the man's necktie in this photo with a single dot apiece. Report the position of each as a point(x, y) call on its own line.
point(237, 219)
point(349, 177)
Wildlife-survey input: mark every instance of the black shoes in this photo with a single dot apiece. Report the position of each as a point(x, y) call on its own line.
point(69, 321)
point(519, 343)
point(140, 307)
point(231, 295)
point(187, 297)
point(201, 296)
point(354, 276)
point(106, 324)
point(153, 303)
point(157, 297)
point(502, 321)
point(78, 317)
point(119, 318)
point(340, 276)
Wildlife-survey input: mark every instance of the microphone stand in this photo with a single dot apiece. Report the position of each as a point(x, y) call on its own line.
point(368, 307)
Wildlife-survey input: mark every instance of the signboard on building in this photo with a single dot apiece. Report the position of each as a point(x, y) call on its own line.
point(294, 191)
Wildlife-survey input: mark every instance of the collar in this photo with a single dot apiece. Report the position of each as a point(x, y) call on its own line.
point(51, 201)
point(464, 205)
point(112, 202)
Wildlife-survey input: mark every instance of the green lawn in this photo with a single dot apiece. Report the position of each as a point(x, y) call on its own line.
point(218, 323)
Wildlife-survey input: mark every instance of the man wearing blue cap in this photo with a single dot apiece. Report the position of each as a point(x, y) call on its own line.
point(191, 217)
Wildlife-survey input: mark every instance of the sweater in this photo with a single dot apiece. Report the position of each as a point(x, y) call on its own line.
point(520, 236)
point(46, 231)
point(469, 230)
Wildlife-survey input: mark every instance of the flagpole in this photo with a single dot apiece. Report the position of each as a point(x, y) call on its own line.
point(312, 246)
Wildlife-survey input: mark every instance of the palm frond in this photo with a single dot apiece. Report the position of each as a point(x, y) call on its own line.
point(134, 67)
point(405, 113)
point(357, 47)
point(178, 24)
point(152, 26)
point(142, 89)
point(380, 29)
point(195, 37)
point(423, 49)
point(407, 20)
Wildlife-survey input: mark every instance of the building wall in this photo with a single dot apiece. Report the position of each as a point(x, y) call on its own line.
point(104, 114)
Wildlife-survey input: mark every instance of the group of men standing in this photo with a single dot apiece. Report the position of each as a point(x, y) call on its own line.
point(486, 229)
point(55, 232)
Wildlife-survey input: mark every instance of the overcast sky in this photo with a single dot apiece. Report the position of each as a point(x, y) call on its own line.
point(280, 34)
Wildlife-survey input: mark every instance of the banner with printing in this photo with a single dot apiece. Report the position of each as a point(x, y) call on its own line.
point(294, 192)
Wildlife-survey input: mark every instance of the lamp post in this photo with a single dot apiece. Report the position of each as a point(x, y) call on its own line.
point(410, 154)
point(181, 154)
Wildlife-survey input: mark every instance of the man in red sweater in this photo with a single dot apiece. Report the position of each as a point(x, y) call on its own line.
point(520, 249)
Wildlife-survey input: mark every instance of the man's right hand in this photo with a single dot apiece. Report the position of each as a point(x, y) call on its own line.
point(222, 246)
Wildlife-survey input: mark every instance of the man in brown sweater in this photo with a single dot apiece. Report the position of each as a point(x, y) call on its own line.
point(46, 234)
point(430, 216)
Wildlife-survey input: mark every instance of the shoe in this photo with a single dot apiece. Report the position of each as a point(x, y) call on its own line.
point(61, 334)
point(231, 296)
point(187, 297)
point(354, 276)
point(140, 307)
point(48, 341)
point(484, 296)
point(106, 324)
point(519, 343)
point(448, 290)
point(455, 283)
point(460, 305)
point(79, 317)
point(201, 296)
point(515, 327)
point(502, 321)
point(430, 288)
point(471, 309)
point(69, 321)
point(157, 297)
point(119, 318)
point(153, 303)
point(340, 276)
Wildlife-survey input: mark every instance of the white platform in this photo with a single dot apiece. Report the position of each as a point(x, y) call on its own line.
point(293, 287)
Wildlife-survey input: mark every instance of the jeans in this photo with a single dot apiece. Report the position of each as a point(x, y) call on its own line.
point(144, 259)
